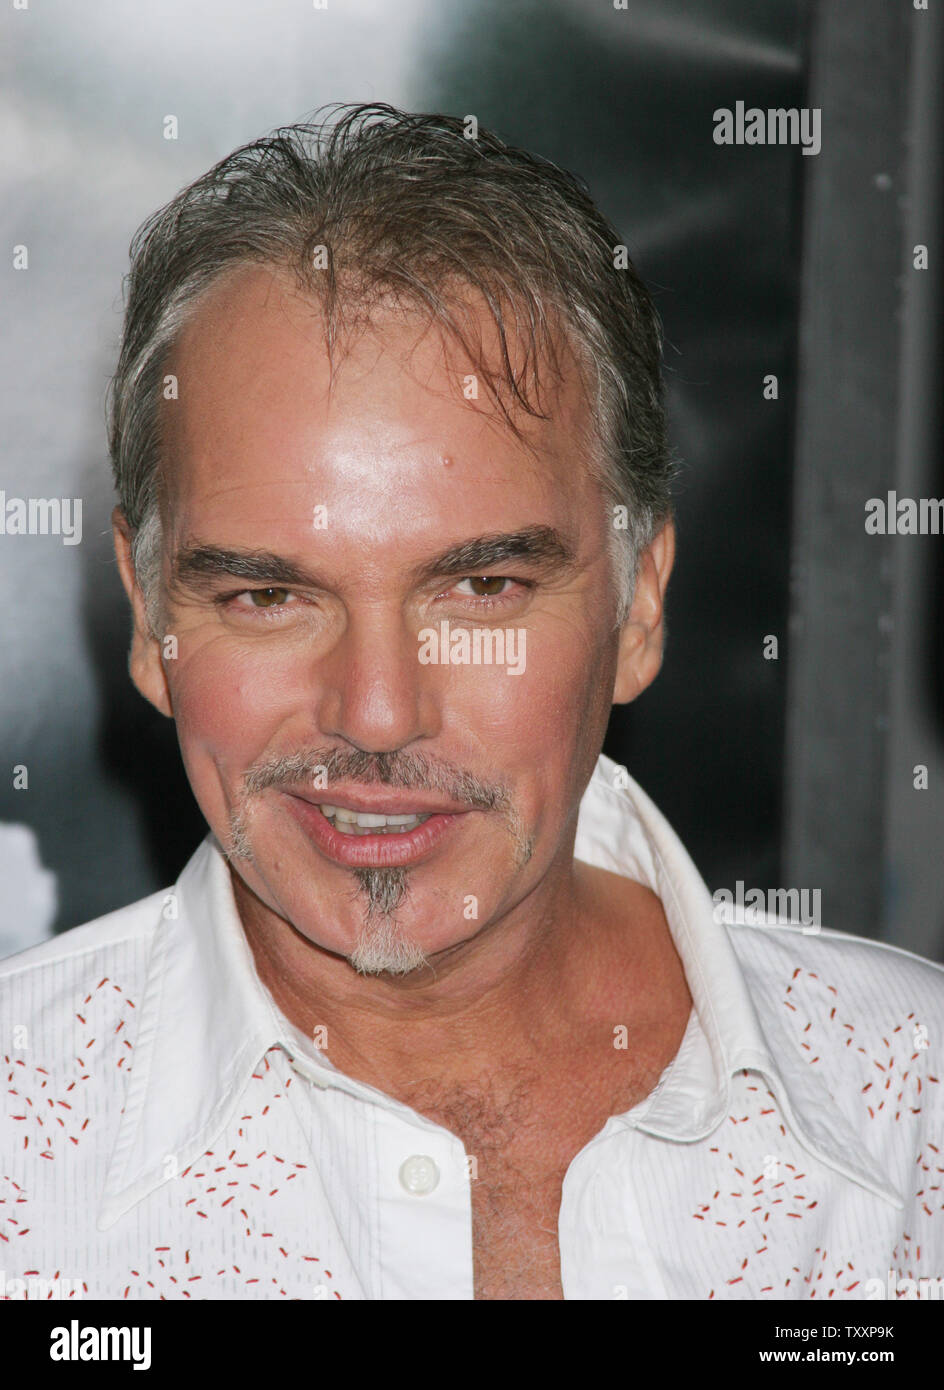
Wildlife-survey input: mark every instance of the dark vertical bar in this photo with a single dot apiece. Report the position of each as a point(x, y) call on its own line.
point(914, 834)
point(847, 424)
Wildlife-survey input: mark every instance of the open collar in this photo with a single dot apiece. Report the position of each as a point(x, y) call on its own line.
point(206, 1020)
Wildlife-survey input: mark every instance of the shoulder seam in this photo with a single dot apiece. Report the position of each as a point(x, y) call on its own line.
point(8, 970)
point(793, 929)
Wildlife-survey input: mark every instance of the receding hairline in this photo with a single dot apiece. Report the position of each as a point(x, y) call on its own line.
point(357, 310)
point(560, 365)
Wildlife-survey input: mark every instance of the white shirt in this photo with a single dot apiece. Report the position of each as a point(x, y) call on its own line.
point(166, 1132)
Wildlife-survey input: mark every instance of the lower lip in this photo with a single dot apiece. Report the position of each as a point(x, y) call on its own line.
point(370, 851)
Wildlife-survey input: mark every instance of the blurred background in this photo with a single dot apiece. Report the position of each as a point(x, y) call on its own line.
point(802, 770)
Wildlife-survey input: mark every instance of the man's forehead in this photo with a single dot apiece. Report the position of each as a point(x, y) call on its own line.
point(396, 455)
point(257, 332)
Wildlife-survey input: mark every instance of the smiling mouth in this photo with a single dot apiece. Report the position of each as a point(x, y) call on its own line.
point(371, 823)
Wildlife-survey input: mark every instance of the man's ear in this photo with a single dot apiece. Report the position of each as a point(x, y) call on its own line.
point(144, 660)
point(642, 634)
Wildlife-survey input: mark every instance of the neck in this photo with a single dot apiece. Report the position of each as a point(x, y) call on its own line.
point(523, 983)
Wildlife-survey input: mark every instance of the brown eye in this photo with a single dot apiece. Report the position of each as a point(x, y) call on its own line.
point(268, 598)
point(489, 586)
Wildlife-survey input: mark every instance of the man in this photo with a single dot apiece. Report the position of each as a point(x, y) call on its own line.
point(440, 1008)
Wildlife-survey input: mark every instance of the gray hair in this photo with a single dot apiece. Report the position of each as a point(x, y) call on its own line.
point(385, 205)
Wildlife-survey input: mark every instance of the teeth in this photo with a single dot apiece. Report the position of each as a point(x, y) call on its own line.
point(368, 822)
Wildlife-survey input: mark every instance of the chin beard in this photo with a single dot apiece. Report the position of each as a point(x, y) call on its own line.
point(381, 948)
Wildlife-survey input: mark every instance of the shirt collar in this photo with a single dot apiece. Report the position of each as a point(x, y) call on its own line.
point(620, 829)
point(206, 1020)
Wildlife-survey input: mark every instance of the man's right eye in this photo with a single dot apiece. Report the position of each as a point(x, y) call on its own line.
point(273, 596)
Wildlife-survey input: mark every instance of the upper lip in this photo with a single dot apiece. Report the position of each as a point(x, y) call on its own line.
point(379, 801)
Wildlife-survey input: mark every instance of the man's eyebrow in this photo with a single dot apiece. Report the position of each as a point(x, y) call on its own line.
point(535, 545)
point(196, 562)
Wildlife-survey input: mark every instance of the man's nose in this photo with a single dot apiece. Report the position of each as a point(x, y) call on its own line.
point(373, 690)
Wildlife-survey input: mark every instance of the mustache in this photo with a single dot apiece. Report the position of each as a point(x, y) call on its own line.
point(411, 771)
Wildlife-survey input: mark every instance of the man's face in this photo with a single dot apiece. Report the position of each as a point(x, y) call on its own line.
point(314, 679)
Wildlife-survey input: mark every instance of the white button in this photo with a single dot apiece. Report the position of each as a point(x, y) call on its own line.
point(419, 1174)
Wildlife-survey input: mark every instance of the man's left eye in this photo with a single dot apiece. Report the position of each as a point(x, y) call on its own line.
point(486, 586)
